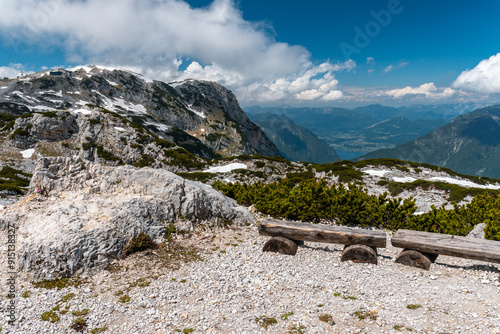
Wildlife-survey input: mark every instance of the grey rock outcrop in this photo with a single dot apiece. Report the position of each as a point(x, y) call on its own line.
point(477, 232)
point(79, 215)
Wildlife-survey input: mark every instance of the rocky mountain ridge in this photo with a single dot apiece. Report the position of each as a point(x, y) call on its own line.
point(470, 144)
point(202, 117)
point(295, 142)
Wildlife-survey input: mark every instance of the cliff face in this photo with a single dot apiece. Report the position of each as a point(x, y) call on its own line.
point(295, 142)
point(228, 129)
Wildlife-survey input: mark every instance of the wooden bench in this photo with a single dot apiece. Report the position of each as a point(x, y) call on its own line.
point(361, 245)
point(421, 249)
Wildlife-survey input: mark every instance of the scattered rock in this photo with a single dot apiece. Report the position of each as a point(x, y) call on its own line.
point(477, 232)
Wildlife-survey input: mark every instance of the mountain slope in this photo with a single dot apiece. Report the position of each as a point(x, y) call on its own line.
point(470, 144)
point(169, 112)
point(295, 142)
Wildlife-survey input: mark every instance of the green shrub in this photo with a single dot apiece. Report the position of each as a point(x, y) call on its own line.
point(198, 176)
point(312, 200)
point(21, 132)
point(14, 180)
point(106, 155)
point(163, 143)
point(181, 157)
point(137, 244)
point(146, 160)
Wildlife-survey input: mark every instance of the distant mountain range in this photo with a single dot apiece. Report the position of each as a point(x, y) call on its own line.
point(294, 142)
point(470, 144)
point(355, 132)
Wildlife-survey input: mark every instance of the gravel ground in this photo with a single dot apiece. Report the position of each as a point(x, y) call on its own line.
point(235, 284)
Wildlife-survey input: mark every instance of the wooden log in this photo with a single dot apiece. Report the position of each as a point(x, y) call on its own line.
point(413, 258)
point(280, 245)
point(299, 242)
point(444, 244)
point(359, 254)
point(322, 233)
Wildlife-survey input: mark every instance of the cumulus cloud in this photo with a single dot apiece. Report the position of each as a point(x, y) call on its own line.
point(428, 90)
point(370, 61)
point(155, 36)
point(315, 83)
point(12, 71)
point(484, 78)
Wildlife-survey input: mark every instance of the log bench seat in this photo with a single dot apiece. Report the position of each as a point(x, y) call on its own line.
point(421, 249)
point(360, 244)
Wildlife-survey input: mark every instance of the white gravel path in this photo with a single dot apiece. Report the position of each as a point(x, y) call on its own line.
point(236, 282)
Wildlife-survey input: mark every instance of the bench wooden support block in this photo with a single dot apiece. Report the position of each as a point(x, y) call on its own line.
point(359, 254)
point(280, 245)
point(444, 244)
point(322, 233)
point(416, 259)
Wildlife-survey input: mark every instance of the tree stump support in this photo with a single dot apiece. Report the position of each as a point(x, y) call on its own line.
point(359, 254)
point(281, 245)
point(417, 259)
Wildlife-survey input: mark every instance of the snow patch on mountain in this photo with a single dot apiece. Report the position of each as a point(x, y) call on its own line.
point(226, 168)
point(464, 183)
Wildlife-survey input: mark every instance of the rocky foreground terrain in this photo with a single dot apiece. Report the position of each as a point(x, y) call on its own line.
point(78, 215)
point(226, 284)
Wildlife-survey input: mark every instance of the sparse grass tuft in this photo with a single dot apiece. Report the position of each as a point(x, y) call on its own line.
point(286, 315)
point(99, 330)
point(264, 321)
point(49, 316)
point(296, 330)
point(66, 298)
point(124, 299)
point(80, 313)
point(58, 284)
point(413, 306)
point(364, 314)
point(327, 318)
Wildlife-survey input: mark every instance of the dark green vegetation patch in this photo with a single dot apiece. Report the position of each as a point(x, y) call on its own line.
point(314, 201)
point(14, 180)
point(456, 192)
point(198, 176)
point(138, 244)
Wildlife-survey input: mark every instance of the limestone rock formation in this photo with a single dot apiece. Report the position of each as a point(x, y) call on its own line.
point(78, 215)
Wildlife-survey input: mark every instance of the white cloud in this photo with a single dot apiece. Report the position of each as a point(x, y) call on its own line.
point(314, 83)
point(484, 78)
point(12, 71)
point(388, 68)
point(151, 36)
point(370, 61)
point(395, 67)
point(429, 90)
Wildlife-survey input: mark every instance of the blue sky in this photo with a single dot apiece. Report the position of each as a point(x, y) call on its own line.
point(272, 52)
